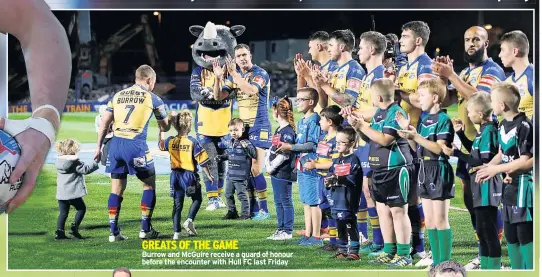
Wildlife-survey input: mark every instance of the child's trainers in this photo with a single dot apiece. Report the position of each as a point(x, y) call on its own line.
point(74, 231)
point(151, 234)
point(221, 203)
point(302, 240)
point(262, 215)
point(352, 257)
point(330, 247)
point(231, 215)
point(283, 236)
point(376, 252)
point(190, 228)
point(312, 241)
point(59, 234)
point(369, 247)
point(383, 258)
point(274, 234)
point(400, 261)
point(213, 204)
point(117, 237)
point(176, 235)
point(339, 255)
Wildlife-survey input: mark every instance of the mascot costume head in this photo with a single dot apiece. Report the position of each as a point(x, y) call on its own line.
point(214, 42)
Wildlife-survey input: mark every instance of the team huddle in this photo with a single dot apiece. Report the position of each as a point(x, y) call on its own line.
point(373, 146)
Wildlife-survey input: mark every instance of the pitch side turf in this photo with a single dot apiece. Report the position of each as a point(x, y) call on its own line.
point(31, 228)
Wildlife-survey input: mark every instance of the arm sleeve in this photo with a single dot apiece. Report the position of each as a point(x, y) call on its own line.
point(391, 126)
point(525, 139)
point(83, 168)
point(251, 150)
point(159, 109)
point(201, 156)
point(195, 84)
point(260, 80)
point(164, 144)
point(490, 76)
point(109, 106)
point(425, 72)
point(467, 158)
point(489, 145)
point(353, 81)
point(445, 131)
point(464, 140)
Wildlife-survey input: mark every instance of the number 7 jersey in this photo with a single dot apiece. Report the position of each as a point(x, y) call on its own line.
point(132, 109)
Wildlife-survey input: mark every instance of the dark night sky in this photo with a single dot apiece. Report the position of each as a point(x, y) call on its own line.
point(173, 38)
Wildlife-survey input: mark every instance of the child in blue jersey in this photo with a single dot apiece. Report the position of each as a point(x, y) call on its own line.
point(345, 185)
point(240, 152)
point(281, 168)
point(186, 153)
point(308, 133)
point(330, 122)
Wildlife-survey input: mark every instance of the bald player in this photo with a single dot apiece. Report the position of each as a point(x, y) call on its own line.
point(44, 43)
point(515, 54)
point(480, 75)
point(132, 109)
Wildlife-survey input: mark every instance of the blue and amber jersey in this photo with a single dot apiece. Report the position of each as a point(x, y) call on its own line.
point(212, 116)
point(435, 127)
point(409, 77)
point(253, 108)
point(185, 152)
point(525, 84)
point(346, 78)
point(132, 109)
point(364, 101)
point(326, 151)
point(516, 140)
point(329, 66)
point(481, 77)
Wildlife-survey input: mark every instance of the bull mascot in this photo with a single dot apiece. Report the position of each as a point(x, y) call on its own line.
point(212, 117)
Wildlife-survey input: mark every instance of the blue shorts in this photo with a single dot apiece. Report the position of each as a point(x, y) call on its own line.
point(127, 156)
point(362, 152)
point(462, 171)
point(308, 189)
point(260, 137)
point(324, 194)
point(180, 179)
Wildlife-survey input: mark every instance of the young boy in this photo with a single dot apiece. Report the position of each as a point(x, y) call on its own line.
point(240, 154)
point(436, 178)
point(516, 144)
point(486, 195)
point(393, 172)
point(330, 121)
point(185, 153)
point(308, 134)
point(345, 186)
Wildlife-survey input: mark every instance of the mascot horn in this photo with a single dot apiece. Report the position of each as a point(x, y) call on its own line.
point(212, 117)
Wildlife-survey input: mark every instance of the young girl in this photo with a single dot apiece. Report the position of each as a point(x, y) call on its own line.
point(70, 186)
point(281, 168)
point(185, 152)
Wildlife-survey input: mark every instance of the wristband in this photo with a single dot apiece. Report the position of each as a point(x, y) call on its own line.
point(42, 125)
point(51, 107)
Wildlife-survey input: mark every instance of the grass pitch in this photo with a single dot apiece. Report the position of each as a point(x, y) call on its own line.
point(31, 228)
